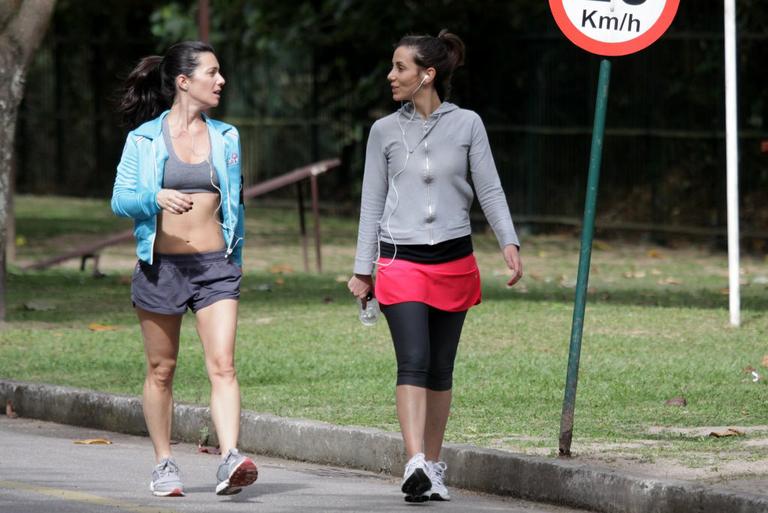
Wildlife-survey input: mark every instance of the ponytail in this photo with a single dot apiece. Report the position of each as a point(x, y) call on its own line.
point(141, 98)
point(455, 46)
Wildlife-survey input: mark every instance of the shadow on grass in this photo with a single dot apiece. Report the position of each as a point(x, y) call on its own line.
point(69, 296)
point(751, 300)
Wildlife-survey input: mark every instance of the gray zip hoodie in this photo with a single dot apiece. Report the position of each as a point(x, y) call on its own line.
point(416, 186)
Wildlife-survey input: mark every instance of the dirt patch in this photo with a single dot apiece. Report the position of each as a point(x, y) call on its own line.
point(700, 431)
point(742, 469)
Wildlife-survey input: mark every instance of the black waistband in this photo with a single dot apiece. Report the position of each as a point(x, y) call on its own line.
point(445, 251)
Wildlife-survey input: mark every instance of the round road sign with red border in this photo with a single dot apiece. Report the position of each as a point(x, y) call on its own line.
point(613, 27)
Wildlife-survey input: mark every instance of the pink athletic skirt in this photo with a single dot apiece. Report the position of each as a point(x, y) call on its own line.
point(451, 286)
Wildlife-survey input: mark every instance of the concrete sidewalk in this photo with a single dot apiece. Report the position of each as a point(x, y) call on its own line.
point(114, 478)
point(534, 478)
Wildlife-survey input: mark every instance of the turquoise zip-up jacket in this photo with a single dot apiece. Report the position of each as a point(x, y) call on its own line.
point(140, 178)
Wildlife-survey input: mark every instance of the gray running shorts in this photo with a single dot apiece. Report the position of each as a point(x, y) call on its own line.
point(174, 282)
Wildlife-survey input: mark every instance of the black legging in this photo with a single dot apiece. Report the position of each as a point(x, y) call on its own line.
point(425, 341)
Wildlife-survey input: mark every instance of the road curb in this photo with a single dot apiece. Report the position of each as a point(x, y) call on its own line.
point(529, 477)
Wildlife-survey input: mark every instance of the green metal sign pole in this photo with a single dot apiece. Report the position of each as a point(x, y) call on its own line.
point(596, 154)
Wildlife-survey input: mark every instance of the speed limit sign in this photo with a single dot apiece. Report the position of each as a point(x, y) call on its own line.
point(613, 27)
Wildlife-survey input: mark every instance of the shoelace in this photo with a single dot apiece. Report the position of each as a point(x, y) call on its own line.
point(438, 471)
point(166, 467)
point(231, 456)
point(413, 464)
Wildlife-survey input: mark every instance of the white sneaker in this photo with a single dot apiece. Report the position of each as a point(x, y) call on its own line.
point(436, 473)
point(416, 479)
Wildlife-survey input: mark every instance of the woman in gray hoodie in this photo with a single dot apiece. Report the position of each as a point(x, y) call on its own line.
point(415, 228)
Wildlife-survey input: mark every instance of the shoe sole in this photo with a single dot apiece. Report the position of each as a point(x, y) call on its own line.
point(176, 492)
point(244, 474)
point(416, 485)
point(416, 498)
point(439, 498)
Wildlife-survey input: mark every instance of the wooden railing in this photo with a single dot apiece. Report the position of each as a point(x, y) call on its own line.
point(311, 171)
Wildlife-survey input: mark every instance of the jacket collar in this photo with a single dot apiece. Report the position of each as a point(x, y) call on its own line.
point(407, 109)
point(153, 128)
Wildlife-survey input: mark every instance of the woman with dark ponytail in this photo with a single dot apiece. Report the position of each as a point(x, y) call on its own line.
point(179, 179)
point(415, 229)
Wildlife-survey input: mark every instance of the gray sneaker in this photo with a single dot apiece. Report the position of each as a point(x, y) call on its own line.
point(235, 472)
point(166, 481)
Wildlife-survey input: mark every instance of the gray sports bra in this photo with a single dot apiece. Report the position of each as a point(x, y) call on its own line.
point(184, 177)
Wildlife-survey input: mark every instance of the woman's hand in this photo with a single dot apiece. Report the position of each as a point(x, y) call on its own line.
point(512, 258)
point(174, 202)
point(360, 285)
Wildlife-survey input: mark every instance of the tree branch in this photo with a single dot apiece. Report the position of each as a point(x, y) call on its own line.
point(28, 27)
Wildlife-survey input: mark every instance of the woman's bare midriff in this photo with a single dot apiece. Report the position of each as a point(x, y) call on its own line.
point(195, 231)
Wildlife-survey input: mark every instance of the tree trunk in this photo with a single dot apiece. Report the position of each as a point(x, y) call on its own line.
point(8, 110)
point(22, 26)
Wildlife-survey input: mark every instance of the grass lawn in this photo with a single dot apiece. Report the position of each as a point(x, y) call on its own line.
point(656, 328)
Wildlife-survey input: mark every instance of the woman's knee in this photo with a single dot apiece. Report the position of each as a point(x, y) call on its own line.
point(161, 373)
point(412, 368)
point(221, 369)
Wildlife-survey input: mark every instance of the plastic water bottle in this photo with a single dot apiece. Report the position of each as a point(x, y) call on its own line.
point(370, 314)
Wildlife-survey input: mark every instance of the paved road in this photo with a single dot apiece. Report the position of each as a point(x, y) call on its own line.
point(43, 470)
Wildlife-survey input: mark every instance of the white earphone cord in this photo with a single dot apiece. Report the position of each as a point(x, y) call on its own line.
point(377, 261)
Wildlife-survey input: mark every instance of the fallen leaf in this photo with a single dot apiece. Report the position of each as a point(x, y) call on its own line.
point(125, 280)
point(748, 369)
point(727, 432)
point(37, 305)
point(279, 281)
point(676, 401)
point(656, 272)
point(9, 410)
point(93, 441)
point(654, 253)
point(764, 363)
point(601, 245)
point(634, 274)
point(669, 281)
point(205, 449)
point(281, 269)
point(94, 326)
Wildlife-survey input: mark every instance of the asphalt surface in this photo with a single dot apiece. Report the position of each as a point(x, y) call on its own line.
point(42, 469)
